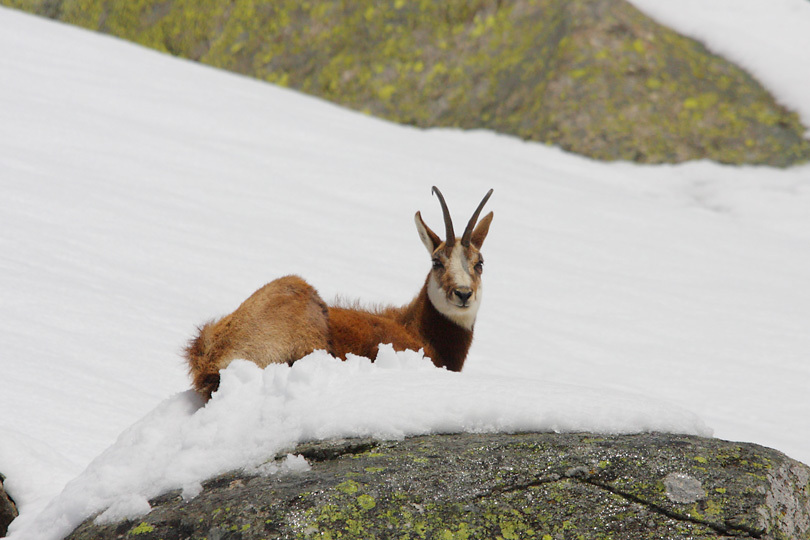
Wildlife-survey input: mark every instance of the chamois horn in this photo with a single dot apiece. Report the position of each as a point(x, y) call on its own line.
point(465, 240)
point(448, 223)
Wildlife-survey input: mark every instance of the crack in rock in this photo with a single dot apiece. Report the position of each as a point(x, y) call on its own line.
point(321, 451)
point(724, 528)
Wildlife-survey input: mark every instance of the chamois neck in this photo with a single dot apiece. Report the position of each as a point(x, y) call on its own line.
point(446, 342)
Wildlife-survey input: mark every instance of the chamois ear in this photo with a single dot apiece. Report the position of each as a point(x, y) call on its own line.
point(428, 237)
point(481, 230)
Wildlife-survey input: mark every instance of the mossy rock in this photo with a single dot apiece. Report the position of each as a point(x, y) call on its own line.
point(595, 77)
point(533, 485)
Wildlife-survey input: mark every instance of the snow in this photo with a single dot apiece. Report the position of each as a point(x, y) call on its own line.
point(143, 195)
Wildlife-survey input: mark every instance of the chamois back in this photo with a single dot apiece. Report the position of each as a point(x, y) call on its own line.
point(359, 331)
point(283, 321)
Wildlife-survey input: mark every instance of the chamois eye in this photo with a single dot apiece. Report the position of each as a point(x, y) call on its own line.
point(479, 266)
point(437, 264)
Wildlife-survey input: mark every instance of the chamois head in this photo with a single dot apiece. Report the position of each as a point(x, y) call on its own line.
point(454, 283)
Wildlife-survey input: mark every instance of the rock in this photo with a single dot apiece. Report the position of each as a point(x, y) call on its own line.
point(535, 485)
point(596, 77)
point(8, 510)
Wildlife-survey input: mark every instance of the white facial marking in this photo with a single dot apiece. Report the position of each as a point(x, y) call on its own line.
point(459, 267)
point(459, 270)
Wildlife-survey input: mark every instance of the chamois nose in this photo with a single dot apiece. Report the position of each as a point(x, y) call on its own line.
point(463, 294)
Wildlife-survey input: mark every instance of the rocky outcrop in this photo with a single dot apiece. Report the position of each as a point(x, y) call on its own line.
point(538, 485)
point(8, 510)
point(595, 77)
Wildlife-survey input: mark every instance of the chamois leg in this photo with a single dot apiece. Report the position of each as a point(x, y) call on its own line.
point(283, 321)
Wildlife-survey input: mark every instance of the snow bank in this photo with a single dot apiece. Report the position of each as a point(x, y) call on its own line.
point(258, 414)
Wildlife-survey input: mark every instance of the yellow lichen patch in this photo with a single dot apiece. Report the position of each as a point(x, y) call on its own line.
point(141, 528)
point(366, 502)
point(349, 487)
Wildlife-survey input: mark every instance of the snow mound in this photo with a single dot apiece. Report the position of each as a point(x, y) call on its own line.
point(258, 414)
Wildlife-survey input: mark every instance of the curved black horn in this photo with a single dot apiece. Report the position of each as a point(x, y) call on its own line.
point(448, 223)
point(465, 240)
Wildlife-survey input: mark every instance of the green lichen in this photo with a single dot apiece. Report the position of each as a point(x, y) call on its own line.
point(543, 511)
point(349, 487)
point(366, 502)
point(141, 528)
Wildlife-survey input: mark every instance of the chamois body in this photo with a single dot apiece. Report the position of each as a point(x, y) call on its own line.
point(286, 319)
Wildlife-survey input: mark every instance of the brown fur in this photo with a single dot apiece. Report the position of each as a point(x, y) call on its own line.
point(283, 321)
point(286, 319)
point(415, 326)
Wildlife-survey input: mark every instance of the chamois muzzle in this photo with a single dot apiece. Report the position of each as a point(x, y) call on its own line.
point(463, 295)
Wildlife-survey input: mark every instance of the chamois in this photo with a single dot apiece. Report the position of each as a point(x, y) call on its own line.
point(286, 319)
